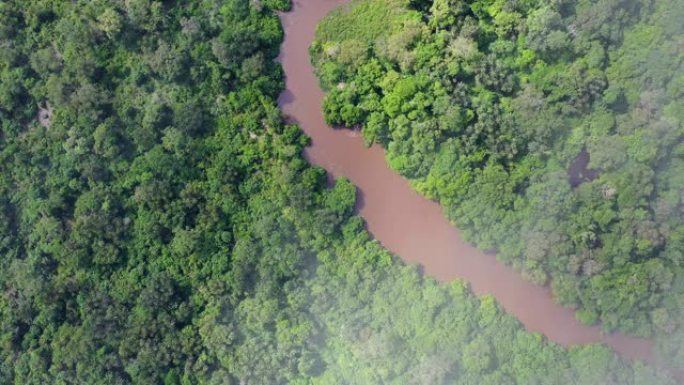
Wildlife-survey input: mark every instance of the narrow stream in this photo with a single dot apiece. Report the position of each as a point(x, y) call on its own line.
point(406, 223)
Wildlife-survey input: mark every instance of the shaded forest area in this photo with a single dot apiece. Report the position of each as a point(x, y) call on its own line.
point(489, 106)
point(158, 224)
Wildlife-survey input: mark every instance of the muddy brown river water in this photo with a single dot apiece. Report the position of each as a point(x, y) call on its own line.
point(406, 223)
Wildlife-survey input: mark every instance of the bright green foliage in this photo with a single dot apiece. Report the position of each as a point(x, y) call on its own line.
point(369, 20)
point(485, 105)
point(159, 226)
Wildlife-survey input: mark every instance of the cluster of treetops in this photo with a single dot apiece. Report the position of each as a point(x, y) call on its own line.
point(159, 226)
point(491, 107)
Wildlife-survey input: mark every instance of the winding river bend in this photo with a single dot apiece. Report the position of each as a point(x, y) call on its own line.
point(406, 223)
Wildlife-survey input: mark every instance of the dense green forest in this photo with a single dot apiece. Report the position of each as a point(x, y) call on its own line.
point(495, 107)
point(158, 224)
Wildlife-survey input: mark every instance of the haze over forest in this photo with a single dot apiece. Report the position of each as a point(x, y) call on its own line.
point(160, 222)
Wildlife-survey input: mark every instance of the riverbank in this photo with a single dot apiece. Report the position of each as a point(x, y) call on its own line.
point(406, 223)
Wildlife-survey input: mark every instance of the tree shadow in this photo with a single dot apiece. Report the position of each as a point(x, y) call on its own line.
point(578, 172)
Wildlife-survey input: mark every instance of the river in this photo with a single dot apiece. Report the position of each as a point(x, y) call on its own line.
point(403, 221)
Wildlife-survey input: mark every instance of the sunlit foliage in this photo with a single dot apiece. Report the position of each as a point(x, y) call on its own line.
point(485, 105)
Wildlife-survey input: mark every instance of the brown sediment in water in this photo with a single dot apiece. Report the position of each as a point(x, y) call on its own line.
point(408, 224)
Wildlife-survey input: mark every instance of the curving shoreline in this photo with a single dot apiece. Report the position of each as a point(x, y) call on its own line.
point(406, 223)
